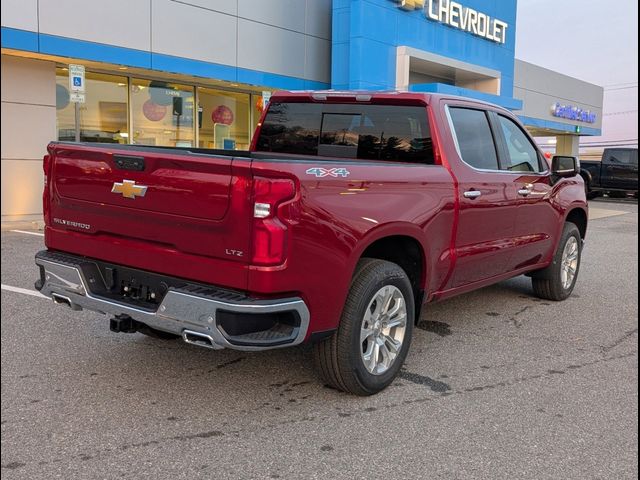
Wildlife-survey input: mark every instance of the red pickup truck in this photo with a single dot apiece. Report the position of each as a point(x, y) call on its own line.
point(351, 211)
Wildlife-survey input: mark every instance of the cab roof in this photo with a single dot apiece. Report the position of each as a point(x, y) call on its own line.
point(368, 96)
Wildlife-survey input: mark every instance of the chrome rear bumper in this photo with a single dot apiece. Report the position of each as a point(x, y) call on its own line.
point(194, 316)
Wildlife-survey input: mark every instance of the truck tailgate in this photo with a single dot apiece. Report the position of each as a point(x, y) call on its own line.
point(183, 213)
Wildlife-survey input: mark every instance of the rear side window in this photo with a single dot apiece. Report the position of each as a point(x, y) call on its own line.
point(523, 156)
point(475, 141)
point(368, 132)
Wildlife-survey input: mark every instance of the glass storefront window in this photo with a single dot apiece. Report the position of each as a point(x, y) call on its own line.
point(224, 119)
point(121, 109)
point(162, 113)
point(104, 115)
point(258, 108)
point(65, 110)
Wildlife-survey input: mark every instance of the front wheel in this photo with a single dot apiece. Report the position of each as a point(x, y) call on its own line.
point(372, 341)
point(556, 282)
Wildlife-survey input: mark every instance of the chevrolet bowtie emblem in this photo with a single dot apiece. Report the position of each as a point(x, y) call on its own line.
point(129, 189)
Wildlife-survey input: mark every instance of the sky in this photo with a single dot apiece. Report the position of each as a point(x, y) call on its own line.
point(593, 40)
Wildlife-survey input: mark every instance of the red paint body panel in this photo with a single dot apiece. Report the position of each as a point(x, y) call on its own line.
point(199, 207)
point(339, 218)
point(180, 227)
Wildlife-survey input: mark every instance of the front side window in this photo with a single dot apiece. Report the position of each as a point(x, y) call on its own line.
point(475, 141)
point(523, 156)
point(369, 132)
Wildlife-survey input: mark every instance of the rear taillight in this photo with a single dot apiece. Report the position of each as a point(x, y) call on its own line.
point(46, 162)
point(270, 218)
point(46, 167)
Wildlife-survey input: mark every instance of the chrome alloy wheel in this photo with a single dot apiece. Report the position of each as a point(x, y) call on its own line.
point(383, 328)
point(569, 265)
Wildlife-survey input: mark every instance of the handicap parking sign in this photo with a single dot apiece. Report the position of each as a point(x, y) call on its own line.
point(76, 78)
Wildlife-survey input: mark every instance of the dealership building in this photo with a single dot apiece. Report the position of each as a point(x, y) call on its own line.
point(199, 72)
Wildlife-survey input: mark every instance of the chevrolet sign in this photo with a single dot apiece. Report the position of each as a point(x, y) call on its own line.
point(458, 16)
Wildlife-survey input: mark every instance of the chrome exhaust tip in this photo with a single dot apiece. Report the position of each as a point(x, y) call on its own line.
point(62, 300)
point(199, 339)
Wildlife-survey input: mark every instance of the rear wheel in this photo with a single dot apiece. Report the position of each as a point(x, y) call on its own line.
point(556, 282)
point(372, 341)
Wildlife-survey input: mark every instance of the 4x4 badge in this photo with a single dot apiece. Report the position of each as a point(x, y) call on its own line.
point(129, 189)
point(328, 172)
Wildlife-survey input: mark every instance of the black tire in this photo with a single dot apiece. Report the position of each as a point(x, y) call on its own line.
point(338, 359)
point(587, 190)
point(617, 194)
point(547, 283)
point(158, 334)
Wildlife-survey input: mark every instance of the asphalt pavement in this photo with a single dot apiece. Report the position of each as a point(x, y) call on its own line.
point(498, 385)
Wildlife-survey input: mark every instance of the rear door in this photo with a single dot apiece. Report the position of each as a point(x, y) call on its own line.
point(487, 198)
point(536, 218)
point(150, 207)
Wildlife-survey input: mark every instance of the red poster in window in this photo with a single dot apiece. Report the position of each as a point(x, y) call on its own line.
point(222, 114)
point(152, 111)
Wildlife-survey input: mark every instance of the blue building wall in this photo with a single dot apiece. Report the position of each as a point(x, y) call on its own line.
point(366, 34)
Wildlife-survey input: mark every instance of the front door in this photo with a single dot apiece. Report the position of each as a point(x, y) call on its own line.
point(487, 198)
point(536, 218)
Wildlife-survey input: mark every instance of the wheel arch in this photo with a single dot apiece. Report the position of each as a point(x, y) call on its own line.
point(587, 177)
point(579, 217)
point(403, 247)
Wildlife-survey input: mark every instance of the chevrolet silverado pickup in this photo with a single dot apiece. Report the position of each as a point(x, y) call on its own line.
point(616, 174)
point(350, 212)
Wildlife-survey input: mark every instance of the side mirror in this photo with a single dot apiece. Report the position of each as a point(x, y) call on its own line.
point(565, 166)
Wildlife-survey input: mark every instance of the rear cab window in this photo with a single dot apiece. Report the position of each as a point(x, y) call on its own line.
point(349, 131)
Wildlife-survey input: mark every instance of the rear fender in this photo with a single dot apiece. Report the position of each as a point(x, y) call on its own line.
point(390, 230)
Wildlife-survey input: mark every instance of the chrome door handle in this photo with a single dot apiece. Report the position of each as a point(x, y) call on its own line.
point(472, 193)
point(524, 192)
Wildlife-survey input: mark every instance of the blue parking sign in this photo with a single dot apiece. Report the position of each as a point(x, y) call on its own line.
point(76, 78)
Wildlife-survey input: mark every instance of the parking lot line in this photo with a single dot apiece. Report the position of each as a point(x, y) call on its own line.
point(597, 213)
point(24, 291)
point(37, 234)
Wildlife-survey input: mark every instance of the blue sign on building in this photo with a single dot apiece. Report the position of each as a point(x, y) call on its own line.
point(573, 113)
point(426, 45)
